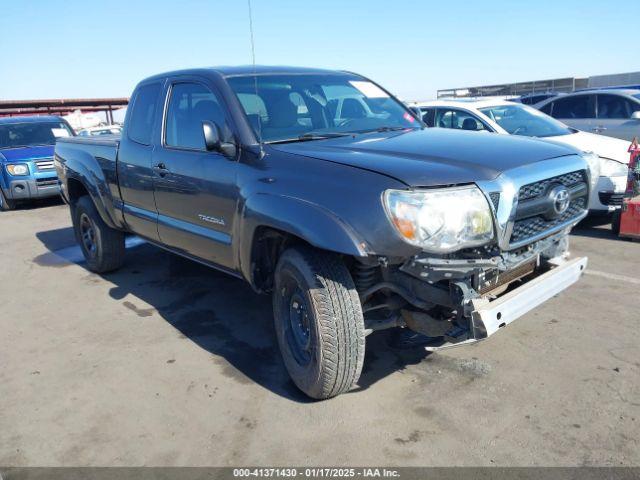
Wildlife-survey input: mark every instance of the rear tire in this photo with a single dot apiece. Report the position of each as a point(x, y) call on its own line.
point(319, 323)
point(102, 246)
point(5, 203)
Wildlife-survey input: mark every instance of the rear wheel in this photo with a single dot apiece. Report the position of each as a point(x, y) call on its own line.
point(319, 323)
point(102, 246)
point(5, 203)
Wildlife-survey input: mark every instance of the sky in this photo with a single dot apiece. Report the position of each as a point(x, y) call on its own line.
point(81, 49)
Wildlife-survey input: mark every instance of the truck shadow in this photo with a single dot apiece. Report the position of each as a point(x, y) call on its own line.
point(217, 312)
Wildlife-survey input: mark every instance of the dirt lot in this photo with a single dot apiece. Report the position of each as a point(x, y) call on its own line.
point(169, 363)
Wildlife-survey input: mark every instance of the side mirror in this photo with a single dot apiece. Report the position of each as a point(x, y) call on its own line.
point(212, 141)
point(635, 115)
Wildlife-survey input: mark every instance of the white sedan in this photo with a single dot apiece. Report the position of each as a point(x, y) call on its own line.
point(508, 118)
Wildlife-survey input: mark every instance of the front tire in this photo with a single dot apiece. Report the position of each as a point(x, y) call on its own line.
point(319, 323)
point(5, 203)
point(102, 246)
point(615, 222)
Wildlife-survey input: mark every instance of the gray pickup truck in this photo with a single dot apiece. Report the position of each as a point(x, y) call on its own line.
point(322, 189)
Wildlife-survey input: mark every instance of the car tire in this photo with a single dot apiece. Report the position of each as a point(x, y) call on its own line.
point(5, 203)
point(318, 321)
point(102, 246)
point(615, 222)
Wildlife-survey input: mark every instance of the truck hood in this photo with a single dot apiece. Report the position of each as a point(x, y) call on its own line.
point(430, 157)
point(603, 146)
point(22, 154)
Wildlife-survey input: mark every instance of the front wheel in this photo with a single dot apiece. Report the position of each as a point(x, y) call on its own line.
point(5, 203)
point(318, 320)
point(102, 246)
point(615, 222)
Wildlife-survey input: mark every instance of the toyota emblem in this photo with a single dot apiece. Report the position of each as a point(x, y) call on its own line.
point(561, 199)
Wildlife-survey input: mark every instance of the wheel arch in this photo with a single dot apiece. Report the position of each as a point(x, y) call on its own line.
point(270, 224)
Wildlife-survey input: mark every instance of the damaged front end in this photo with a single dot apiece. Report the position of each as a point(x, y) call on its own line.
point(466, 295)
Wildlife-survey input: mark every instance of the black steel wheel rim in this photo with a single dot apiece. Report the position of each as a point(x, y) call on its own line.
point(297, 323)
point(88, 235)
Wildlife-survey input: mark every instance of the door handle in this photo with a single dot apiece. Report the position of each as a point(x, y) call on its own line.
point(599, 128)
point(161, 168)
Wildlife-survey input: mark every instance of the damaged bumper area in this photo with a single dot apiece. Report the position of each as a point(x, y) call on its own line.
point(489, 316)
point(465, 298)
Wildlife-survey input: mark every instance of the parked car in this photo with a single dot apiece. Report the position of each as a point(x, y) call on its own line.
point(26, 158)
point(508, 118)
point(370, 223)
point(101, 130)
point(610, 112)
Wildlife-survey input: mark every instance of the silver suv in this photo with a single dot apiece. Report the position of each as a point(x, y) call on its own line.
point(615, 113)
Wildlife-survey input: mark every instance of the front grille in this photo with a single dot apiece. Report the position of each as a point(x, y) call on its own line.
point(45, 165)
point(530, 227)
point(611, 199)
point(534, 214)
point(533, 190)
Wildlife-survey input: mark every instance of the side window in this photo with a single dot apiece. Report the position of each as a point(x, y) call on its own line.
point(615, 106)
point(458, 119)
point(547, 108)
point(191, 104)
point(143, 113)
point(428, 116)
point(580, 106)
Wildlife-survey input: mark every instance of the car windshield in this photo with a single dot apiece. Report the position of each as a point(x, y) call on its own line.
point(27, 134)
point(522, 120)
point(286, 107)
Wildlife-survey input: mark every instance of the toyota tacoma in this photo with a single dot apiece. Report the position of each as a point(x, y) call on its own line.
point(354, 220)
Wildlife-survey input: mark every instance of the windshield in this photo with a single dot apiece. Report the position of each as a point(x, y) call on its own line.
point(522, 120)
point(288, 107)
point(29, 134)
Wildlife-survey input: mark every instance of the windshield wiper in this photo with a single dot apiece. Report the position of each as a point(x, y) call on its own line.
point(306, 137)
point(385, 129)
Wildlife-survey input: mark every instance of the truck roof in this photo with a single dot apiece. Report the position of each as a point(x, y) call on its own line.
point(242, 70)
point(31, 119)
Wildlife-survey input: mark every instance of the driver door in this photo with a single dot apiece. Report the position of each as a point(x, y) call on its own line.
point(195, 189)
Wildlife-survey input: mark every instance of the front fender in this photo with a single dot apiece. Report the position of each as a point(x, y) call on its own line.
point(311, 222)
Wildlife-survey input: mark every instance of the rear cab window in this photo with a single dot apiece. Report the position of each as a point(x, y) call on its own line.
point(143, 113)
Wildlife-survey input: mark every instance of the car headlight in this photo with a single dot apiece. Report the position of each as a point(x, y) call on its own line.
point(441, 220)
point(18, 169)
point(593, 161)
point(611, 168)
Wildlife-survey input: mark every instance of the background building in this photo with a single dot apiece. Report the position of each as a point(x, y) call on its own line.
point(568, 84)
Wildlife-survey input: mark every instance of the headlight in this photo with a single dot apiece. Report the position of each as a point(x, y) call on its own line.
point(441, 220)
point(611, 168)
point(593, 161)
point(18, 169)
